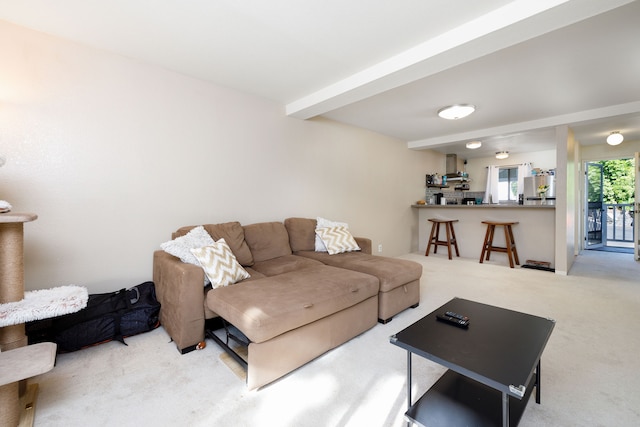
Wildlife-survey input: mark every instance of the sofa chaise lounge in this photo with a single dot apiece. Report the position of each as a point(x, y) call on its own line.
point(297, 303)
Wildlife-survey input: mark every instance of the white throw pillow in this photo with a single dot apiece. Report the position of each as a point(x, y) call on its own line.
point(337, 240)
point(220, 264)
point(181, 246)
point(324, 223)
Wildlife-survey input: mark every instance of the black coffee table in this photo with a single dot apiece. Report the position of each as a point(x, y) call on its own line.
point(493, 364)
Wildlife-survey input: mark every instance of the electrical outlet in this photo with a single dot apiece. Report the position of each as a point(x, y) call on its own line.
point(380, 247)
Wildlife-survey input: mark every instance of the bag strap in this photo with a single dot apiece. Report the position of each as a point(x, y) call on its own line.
point(137, 297)
point(119, 311)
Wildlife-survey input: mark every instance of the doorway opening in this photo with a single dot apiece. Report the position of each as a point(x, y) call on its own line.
point(610, 198)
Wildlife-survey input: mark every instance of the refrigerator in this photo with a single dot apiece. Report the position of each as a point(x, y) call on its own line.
point(531, 184)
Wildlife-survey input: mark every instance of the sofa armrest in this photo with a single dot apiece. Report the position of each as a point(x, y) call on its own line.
point(365, 244)
point(180, 291)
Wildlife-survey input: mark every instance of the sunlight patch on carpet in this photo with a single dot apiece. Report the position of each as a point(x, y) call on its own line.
point(234, 366)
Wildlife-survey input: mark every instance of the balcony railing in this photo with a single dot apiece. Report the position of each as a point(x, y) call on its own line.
point(619, 223)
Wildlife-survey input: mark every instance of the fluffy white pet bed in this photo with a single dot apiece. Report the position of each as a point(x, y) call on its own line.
point(43, 304)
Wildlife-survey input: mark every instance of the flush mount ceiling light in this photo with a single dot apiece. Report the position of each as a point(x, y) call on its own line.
point(457, 111)
point(615, 138)
point(472, 145)
point(501, 155)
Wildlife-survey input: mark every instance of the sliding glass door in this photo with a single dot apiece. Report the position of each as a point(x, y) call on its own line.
point(595, 229)
point(636, 209)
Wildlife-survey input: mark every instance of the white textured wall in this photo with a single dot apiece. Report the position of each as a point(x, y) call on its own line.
point(113, 155)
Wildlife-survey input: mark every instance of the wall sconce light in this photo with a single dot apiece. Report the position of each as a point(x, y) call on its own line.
point(615, 138)
point(472, 145)
point(457, 111)
point(501, 155)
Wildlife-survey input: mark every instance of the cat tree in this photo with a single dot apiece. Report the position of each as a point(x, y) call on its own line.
point(13, 337)
point(19, 361)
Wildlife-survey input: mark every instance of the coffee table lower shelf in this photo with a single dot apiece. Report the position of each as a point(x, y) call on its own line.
point(455, 400)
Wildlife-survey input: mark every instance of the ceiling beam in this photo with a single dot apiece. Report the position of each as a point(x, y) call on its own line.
point(566, 119)
point(513, 23)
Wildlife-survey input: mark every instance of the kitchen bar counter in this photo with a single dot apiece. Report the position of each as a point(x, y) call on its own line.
point(485, 206)
point(534, 233)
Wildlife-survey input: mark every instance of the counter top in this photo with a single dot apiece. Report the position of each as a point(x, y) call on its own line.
point(485, 206)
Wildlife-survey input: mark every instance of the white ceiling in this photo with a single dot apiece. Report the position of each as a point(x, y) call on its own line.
point(528, 65)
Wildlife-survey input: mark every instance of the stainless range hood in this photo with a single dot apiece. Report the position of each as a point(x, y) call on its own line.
point(452, 169)
point(454, 175)
point(452, 165)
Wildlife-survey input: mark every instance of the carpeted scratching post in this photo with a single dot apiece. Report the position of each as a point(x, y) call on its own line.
point(12, 289)
point(18, 361)
point(12, 273)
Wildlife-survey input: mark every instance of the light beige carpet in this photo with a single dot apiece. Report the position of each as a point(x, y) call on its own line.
point(234, 366)
point(590, 368)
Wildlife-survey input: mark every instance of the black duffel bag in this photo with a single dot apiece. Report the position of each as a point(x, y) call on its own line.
point(107, 317)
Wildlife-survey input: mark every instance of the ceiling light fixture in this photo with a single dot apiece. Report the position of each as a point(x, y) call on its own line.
point(615, 138)
point(501, 155)
point(472, 145)
point(457, 111)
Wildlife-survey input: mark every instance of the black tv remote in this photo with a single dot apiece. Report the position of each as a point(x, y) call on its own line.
point(453, 321)
point(456, 315)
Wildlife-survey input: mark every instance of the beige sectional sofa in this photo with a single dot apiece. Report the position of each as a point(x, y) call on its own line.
point(297, 303)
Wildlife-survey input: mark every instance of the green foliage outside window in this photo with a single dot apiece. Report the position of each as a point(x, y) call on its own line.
point(618, 177)
point(594, 183)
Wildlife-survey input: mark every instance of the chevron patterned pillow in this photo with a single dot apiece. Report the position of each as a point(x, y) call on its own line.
point(220, 264)
point(325, 223)
point(337, 240)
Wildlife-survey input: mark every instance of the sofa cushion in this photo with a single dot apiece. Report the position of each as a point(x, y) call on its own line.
point(291, 300)
point(253, 275)
point(231, 232)
point(219, 264)
point(284, 264)
point(337, 240)
point(302, 234)
point(267, 240)
point(392, 272)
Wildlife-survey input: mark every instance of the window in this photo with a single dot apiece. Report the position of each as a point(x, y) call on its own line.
point(508, 184)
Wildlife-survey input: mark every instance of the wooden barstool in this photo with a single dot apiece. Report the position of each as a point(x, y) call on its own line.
point(435, 233)
point(510, 249)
